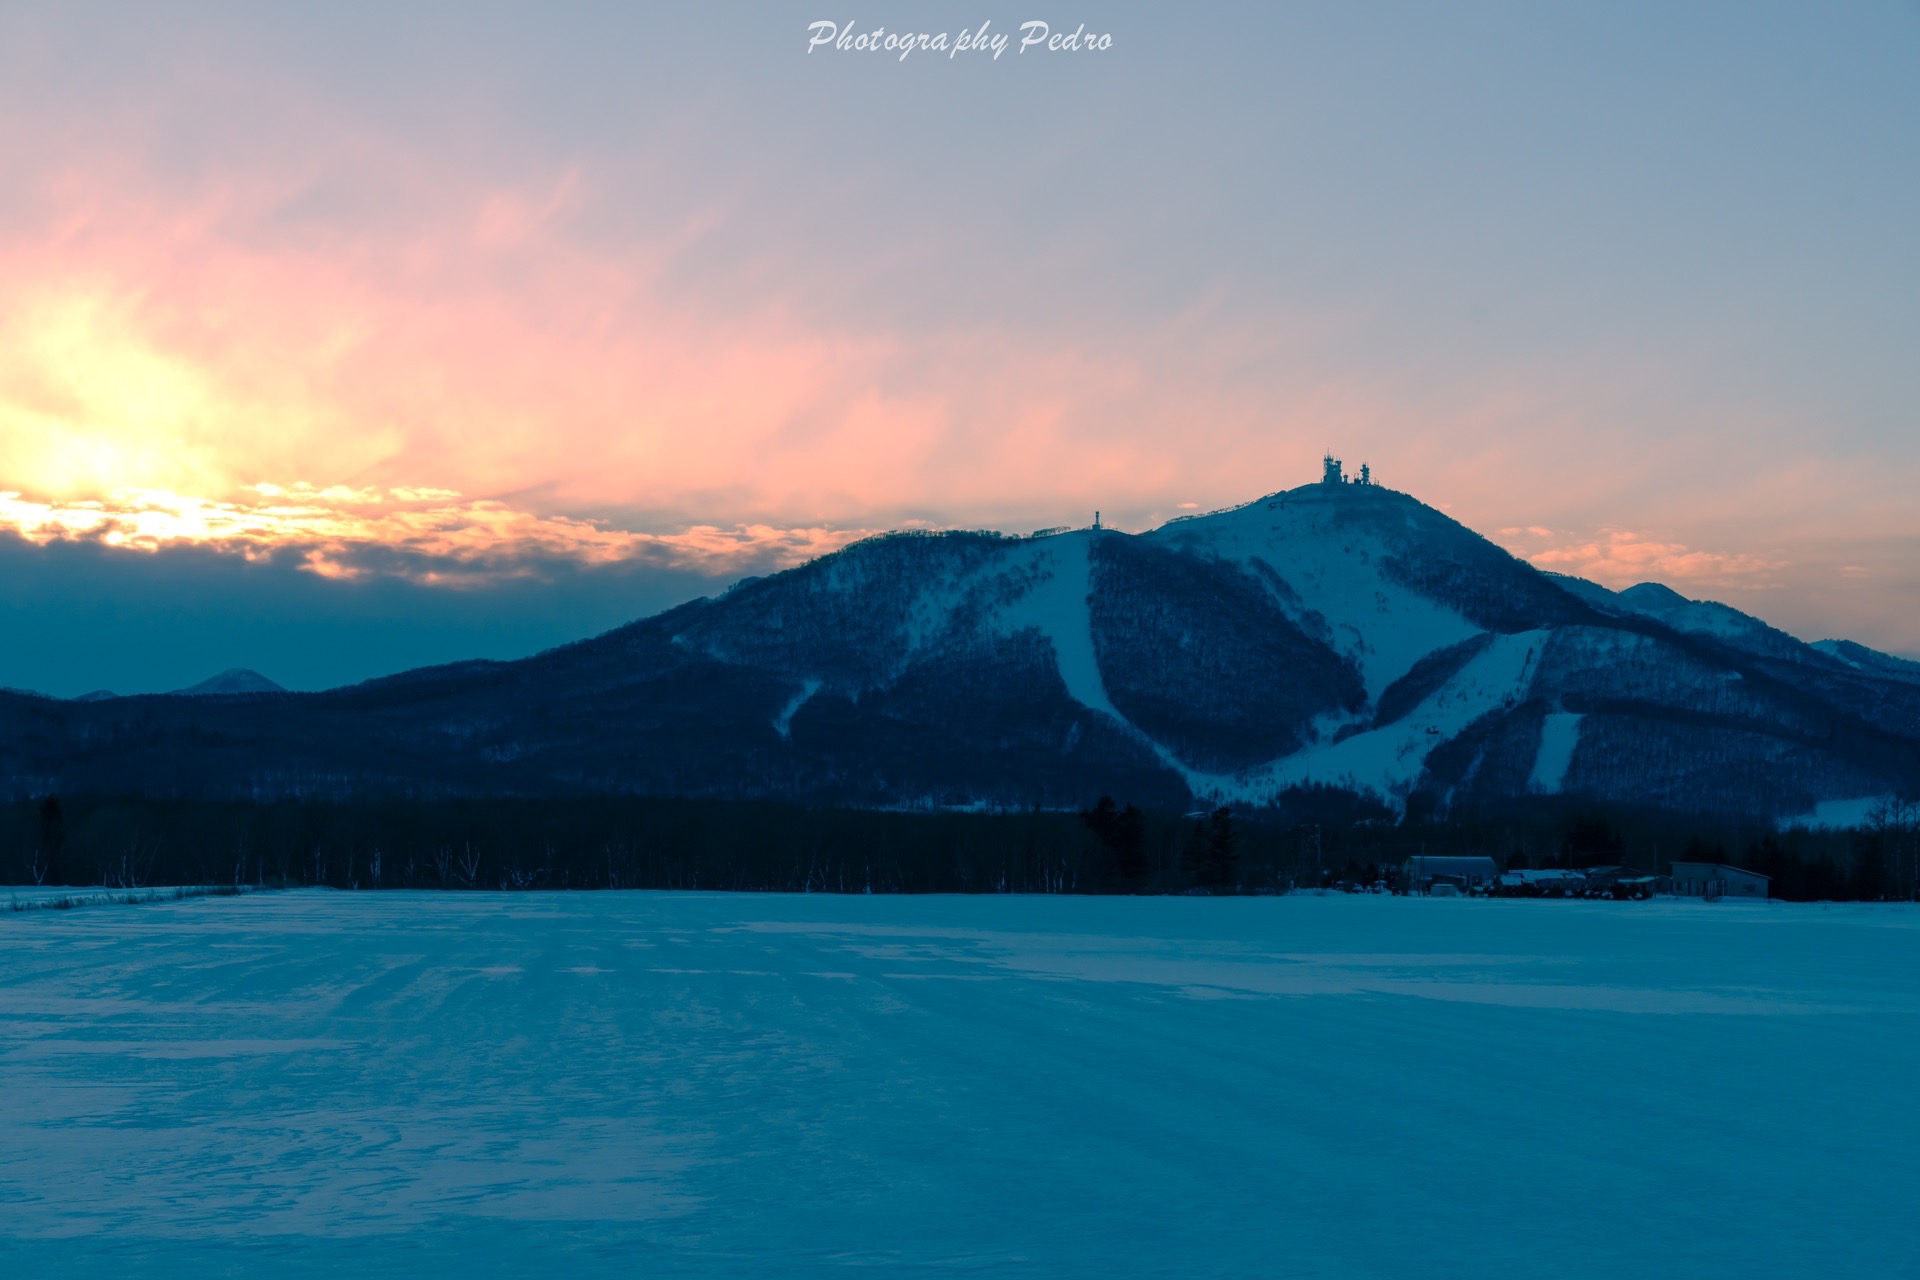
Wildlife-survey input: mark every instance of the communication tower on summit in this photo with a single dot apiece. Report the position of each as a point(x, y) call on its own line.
point(1331, 472)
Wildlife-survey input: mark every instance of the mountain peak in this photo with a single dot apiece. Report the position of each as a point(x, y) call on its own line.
point(1861, 658)
point(1336, 637)
point(232, 680)
point(1655, 595)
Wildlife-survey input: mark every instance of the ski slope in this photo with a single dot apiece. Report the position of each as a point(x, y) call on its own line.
point(1380, 625)
point(1387, 761)
point(1057, 576)
point(1559, 735)
point(620, 1084)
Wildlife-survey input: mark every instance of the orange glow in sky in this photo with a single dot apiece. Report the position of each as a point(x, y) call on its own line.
point(492, 293)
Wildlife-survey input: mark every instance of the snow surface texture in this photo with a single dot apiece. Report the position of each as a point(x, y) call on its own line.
point(606, 1084)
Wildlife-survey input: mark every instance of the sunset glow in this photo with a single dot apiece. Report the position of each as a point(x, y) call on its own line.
point(957, 475)
point(1620, 558)
point(430, 536)
point(466, 300)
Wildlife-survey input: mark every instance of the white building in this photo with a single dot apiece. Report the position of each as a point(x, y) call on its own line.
point(1712, 880)
point(1423, 872)
point(1543, 880)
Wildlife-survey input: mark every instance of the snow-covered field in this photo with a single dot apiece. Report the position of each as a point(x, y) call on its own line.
point(35, 897)
point(650, 1084)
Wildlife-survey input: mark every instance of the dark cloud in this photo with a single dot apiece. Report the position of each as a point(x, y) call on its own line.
point(77, 616)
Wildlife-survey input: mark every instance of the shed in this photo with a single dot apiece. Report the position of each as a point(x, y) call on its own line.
point(1711, 880)
point(1548, 883)
point(1423, 872)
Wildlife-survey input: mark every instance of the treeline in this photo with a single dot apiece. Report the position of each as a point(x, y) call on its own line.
point(1113, 847)
point(619, 843)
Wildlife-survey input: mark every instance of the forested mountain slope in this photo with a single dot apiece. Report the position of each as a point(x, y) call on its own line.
point(1335, 635)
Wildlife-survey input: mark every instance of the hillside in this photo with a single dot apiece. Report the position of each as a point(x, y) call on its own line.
point(1332, 636)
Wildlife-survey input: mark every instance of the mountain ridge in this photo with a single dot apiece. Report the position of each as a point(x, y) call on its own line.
point(1334, 636)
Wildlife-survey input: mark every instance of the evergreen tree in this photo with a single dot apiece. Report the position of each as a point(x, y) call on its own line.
point(1699, 850)
point(1771, 859)
point(1210, 851)
point(1593, 842)
point(52, 839)
point(1122, 834)
point(1823, 882)
point(1193, 854)
point(1869, 867)
point(1223, 843)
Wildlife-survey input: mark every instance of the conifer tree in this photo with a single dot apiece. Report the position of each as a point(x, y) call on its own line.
point(1869, 867)
point(1223, 843)
point(1211, 849)
point(1122, 834)
point(52, 838)
point(1193, 854)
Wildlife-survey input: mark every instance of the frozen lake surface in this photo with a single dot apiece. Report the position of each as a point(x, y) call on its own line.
point(629, 1084)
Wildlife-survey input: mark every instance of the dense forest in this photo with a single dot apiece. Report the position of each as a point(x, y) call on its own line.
point(1315, 839)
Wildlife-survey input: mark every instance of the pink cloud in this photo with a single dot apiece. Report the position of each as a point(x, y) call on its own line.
point(431, 536)
point(1621, 558)
point(162, 347)
point(192, 306)
point(362, 311)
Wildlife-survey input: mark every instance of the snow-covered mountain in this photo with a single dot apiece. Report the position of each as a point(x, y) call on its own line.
point(1706, 618)
point(1333, 636)
point(1861, 658)
point(232, 680)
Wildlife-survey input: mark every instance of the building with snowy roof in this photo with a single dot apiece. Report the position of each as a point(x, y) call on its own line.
point(1551, 878)
point(1423, 872)
point(1711, 880)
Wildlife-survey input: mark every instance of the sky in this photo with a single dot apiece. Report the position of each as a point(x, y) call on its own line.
point(340, 339)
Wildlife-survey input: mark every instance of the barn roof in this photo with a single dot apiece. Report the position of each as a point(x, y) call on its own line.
point(1722, 866)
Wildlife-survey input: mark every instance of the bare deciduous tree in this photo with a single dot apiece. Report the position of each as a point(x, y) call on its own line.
point(470, 866)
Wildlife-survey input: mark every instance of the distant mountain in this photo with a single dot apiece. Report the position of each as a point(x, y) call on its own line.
point(1706, 618)
point(1335, 636)
point(232, 680)
point(1861, 658)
